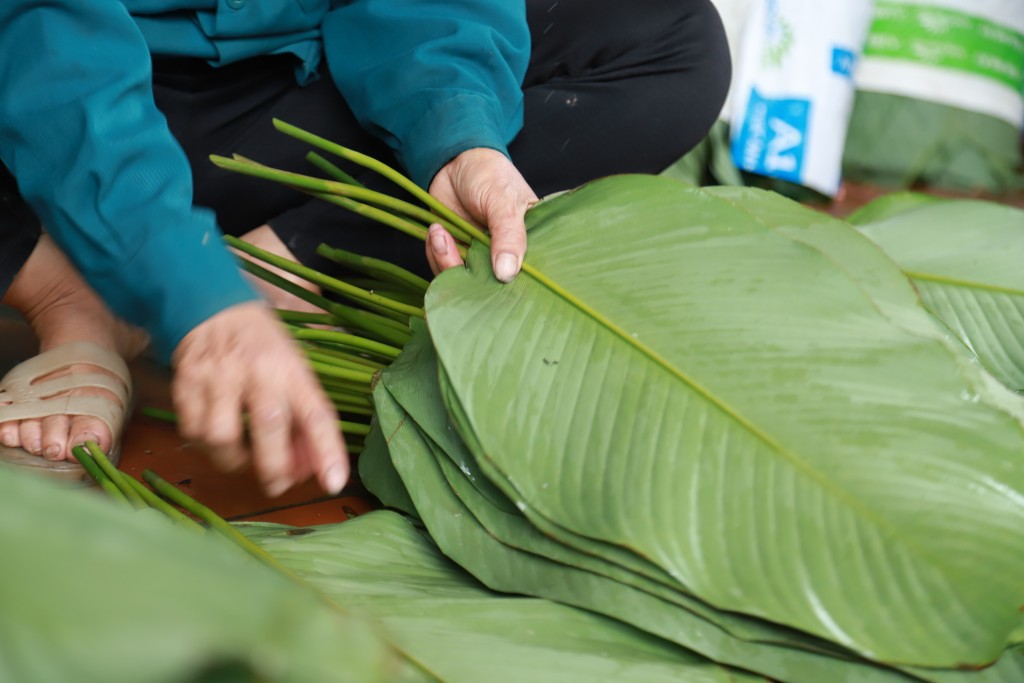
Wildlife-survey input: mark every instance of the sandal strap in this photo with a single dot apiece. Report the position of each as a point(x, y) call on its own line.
point(31, 399)
point(52, 387)
point(103, 408)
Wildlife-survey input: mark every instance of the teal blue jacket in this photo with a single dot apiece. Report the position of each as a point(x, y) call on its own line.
point(94, 158)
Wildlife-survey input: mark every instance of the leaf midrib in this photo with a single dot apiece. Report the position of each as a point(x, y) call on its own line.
point(795, 460)
point(966, 284)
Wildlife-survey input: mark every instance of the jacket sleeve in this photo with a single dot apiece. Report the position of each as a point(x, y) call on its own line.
point(432, 79)
point(94, 158)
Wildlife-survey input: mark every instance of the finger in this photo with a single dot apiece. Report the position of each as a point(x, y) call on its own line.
point(223, 432)
point(319, 439)
point(270, 423)
point(303, 467)
point(209, 407)
point(189, 399)
point(442, 252)
point(508, 240)
point(431, 261)
point(302, 460)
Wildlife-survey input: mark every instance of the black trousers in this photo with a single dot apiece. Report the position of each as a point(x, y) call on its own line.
point(612, 87)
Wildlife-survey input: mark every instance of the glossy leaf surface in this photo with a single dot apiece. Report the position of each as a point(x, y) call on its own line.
point(413, 406)
point(732, 406)
point(965, 258)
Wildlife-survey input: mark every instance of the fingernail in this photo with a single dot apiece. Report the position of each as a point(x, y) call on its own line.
point(438, 242)
point(334, 479)
point(276, 488)
point(506, 266)
point(52, 452)
point(35, 448)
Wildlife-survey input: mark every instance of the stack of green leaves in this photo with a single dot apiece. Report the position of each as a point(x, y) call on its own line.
point(92, 594)
point(726, 420)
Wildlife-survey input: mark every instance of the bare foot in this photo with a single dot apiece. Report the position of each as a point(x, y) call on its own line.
point(265, 238)
point(61, 308)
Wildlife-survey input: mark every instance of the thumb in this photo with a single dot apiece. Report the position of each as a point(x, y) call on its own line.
point(508, 241)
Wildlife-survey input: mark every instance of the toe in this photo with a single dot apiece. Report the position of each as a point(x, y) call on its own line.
point(84, 428)
point(31, 436)
point(10, 436)
point(54, 433)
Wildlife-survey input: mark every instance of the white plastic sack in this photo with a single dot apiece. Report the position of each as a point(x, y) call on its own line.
point(967, 54)
point(793, 89)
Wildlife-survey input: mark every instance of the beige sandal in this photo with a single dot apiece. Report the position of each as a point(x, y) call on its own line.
point(24, 397)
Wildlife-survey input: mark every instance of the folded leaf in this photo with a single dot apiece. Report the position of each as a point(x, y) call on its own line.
point(378, 475)
point(454, 527)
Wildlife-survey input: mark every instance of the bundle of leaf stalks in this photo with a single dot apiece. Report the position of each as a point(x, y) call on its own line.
point(361, 330)
point(723, 419)
point(349, 342)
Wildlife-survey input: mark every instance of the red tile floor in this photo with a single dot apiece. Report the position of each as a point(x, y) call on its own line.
point(156, 445)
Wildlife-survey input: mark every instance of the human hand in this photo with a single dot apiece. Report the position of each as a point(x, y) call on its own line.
point(483, 186)
point(241, 361)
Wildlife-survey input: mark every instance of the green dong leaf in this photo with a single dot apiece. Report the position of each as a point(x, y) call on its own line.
point(732, 405)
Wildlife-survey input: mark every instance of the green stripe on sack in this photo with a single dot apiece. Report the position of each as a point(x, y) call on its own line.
point(947, 39)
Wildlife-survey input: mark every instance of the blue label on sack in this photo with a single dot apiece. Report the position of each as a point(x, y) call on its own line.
point(772, 138)
point(843, 61)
